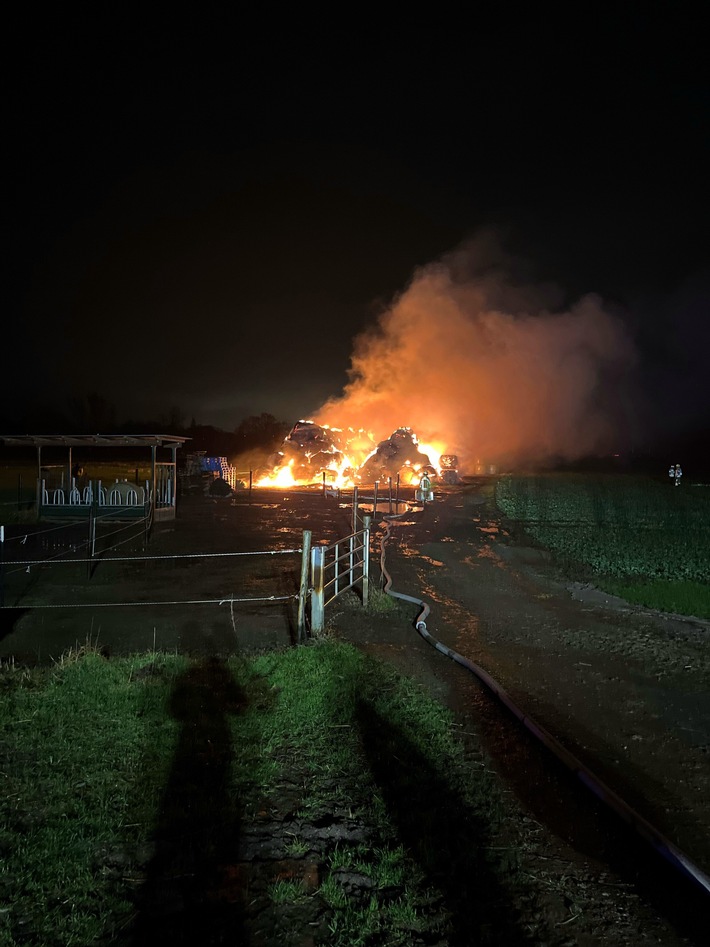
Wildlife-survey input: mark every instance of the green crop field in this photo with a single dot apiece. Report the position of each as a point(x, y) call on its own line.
point(639, 538)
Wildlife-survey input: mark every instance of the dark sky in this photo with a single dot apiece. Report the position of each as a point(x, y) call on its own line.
point(203, 213)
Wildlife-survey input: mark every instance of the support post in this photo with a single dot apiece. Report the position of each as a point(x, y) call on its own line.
point(374, 498)
point(317, 593)
point(89, 542)
point(366, 560)
point(303, 588)
point(2, 566)
point(355, 503)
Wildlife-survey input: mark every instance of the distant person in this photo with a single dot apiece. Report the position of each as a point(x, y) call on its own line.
point(77, 471)
point(425, 490)
point(678, 474)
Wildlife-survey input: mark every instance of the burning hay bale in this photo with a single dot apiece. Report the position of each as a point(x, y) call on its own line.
point(312, 452)
point(398, 455)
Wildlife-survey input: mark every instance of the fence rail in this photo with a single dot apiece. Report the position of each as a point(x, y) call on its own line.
point(327, 571)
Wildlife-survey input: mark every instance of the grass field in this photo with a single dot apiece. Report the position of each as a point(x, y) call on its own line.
point(638, 538)
point(107, 765)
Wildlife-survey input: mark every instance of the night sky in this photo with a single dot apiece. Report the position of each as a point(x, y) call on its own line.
point(205, 212)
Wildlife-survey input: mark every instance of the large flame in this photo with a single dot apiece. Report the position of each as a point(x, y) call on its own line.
point(482, 366)
point(344, 458)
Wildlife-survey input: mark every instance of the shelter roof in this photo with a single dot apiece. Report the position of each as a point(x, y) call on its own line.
point(92, 440)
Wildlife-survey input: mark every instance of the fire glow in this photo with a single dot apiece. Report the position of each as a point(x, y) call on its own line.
point(316, 453)
point(484, 367)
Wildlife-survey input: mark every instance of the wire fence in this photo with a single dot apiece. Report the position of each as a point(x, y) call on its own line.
point(30, 556)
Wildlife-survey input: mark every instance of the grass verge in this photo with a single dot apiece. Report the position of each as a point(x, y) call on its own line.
point(129, 785)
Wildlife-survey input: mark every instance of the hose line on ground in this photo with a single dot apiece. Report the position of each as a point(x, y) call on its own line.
point(607, 795)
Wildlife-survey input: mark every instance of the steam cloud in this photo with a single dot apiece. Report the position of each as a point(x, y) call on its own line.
point(470, 357)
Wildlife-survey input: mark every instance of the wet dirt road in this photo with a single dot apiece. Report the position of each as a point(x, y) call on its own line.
point(625, 690)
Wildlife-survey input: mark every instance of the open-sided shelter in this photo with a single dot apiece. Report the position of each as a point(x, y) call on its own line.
point(60, 494)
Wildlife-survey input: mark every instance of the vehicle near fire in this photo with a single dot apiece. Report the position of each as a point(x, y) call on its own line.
point(449, 468)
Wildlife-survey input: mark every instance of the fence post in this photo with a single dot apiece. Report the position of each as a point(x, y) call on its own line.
point(2, 566)
point(317, 594)
point(89, 551)
point(374, 498)
point(355, 503)
point(336, 570)
point(366, 560)
point(390, 494)
point(303, 589)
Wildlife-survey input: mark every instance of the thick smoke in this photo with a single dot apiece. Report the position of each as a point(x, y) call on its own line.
point(489, 368)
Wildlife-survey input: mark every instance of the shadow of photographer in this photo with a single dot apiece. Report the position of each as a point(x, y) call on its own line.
point(192, 893)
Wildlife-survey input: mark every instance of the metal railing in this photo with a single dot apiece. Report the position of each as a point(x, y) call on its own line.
point(337, 568)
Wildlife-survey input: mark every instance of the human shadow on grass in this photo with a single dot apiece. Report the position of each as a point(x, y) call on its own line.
point(192, 894)
point(448, 840)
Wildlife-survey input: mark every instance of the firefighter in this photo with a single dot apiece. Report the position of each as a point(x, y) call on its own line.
point(425, 490)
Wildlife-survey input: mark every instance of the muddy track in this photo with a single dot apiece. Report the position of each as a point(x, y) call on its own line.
point(626, 691)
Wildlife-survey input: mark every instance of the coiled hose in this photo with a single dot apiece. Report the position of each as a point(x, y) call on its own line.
point(612, 800)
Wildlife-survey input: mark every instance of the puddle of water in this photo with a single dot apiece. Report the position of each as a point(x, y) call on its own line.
point(432, 562)
point(487, 553)
point(383, 507)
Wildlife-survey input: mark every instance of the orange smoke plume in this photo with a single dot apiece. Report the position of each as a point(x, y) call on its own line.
point(473, 361)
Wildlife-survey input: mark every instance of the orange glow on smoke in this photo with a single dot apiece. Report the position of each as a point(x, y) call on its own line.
point(480, 366)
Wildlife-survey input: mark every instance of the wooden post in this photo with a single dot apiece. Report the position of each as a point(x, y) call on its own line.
point(396, 499)
point(355, 503)
point(390, 494)
point(89, 542)
point(374, 498)
point(154, 498)
point(303, 589)
point(41, 484)
point(2, 566)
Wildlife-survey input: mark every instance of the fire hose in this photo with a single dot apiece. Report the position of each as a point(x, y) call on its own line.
point(611, 799)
